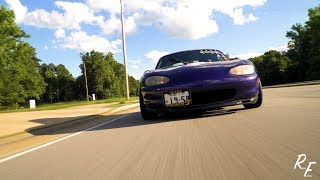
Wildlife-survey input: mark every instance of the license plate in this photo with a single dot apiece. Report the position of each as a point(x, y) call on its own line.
point(177, 98)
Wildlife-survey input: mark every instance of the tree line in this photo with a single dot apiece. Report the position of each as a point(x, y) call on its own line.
point(302, 60)
point(23, 77)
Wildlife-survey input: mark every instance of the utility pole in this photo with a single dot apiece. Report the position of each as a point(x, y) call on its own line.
point(124, 50)
point(85, 77)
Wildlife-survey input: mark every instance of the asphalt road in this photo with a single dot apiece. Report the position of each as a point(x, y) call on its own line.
point(231, 143)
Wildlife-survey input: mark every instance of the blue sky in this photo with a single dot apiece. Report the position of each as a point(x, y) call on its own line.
point(60, 30)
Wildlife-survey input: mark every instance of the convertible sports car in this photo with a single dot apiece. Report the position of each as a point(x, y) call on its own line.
point(198, 79)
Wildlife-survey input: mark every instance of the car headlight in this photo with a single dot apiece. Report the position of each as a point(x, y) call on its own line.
point(243, 70)
point(156, 80)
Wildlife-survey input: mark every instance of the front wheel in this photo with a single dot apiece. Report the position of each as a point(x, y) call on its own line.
point(146, 115)
point(259, 101)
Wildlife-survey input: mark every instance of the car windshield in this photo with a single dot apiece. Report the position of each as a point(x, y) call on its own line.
point(186, 57)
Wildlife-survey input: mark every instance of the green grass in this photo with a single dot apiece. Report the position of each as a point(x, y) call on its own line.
point(62, 105)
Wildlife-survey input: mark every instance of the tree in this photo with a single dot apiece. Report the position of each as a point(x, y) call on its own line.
point(19, 66)
point(9, 90)
point(65, 83)
point(60, 83)
point(313, 26)
point(106, 77)
point(299, 51)
point(133, 86)
point(79, 88)
point(304, 48)
point(301, 62)
point(100, 76)
point(118, 88)
point(272, 67)
point(119, 82)
point(49, 75)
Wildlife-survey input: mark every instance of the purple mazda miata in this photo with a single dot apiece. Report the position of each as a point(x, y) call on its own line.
point(198, 79)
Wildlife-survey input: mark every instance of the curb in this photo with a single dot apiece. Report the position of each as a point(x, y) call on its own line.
point(123, 108)
point(81, 118)
point(40, 128)
point(305, 83)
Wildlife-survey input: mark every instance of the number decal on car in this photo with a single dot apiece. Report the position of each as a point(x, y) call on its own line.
point(177, 98)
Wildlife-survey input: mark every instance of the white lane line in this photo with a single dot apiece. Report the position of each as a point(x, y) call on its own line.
point(58, 140)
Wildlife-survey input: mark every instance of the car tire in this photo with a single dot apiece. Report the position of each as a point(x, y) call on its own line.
point(146, 115)
point(259, 101)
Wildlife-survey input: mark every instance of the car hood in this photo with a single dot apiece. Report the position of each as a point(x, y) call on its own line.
point(202, 71)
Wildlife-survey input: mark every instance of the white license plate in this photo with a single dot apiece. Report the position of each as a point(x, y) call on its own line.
point(177, 98)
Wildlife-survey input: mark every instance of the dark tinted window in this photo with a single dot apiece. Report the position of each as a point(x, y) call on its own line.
point(181, 58)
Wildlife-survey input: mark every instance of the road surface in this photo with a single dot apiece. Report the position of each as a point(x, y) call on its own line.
point(231, 143)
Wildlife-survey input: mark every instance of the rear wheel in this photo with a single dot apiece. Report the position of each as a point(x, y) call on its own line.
point(259, 101)
point(146, 115)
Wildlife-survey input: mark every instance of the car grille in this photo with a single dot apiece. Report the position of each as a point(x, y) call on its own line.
point(212, 96)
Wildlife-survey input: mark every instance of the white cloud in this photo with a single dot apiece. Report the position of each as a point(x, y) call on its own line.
point(184, 23)
point(74, 13)
point(279, 48)
point(155, 55)
point(81, 41)
point(190, 19)
point(110, 26)
point(240, 19)
point(113, 25)
point(60, 33)
point(111, 6)
point(134, 64)
point(255, 54)
point(247, 55)
point(134, 67)
point(45, 47)
point(19, 10)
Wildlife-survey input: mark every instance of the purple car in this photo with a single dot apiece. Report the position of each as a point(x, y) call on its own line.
point(198, 80)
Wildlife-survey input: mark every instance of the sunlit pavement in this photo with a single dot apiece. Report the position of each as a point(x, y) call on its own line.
point(230, 143)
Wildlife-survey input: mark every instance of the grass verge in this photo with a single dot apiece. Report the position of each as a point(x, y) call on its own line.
point(63, 105)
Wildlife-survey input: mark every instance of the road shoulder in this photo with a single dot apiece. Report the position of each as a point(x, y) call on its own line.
point(26, 140)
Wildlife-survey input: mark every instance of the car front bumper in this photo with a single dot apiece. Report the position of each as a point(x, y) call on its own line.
point(205, 95)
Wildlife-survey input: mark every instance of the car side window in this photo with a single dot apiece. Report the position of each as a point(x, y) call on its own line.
point(220, 57)
point(223, 57)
